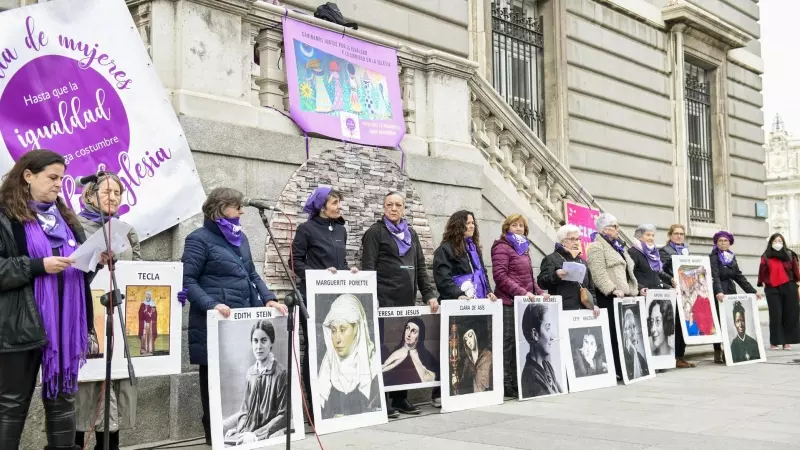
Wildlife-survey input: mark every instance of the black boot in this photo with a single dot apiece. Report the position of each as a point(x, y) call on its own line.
point(113, 440)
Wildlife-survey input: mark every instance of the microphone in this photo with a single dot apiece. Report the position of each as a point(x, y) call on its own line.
point(83, 181)
point(259, 204)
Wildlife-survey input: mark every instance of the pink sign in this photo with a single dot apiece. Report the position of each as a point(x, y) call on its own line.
point(582, 217)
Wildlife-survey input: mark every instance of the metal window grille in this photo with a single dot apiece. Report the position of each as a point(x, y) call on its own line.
point(698, 128)
point(518, 63)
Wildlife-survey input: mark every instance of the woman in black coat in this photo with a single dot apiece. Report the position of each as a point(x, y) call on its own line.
point(647, 266)
point(46, 309)
point(726, 275)
point(219, 273)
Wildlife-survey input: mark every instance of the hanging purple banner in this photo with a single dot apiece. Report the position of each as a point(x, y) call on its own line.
point(342, 87)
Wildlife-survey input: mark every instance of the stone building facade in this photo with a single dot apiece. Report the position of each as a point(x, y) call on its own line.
point(649, 109)
point(783, 183)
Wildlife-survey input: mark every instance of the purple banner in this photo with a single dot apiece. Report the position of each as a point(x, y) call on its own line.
point(342, 87)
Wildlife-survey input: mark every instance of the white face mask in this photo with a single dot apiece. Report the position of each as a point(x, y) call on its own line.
point(778, 246)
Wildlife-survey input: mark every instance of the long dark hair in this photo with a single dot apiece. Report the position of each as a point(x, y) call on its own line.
point(455, 229)
point(15, 192)
point(784, 254)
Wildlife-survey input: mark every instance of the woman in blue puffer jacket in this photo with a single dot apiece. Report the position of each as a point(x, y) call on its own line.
point(219, 273)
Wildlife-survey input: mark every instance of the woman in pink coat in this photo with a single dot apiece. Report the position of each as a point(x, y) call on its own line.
point(513, 276)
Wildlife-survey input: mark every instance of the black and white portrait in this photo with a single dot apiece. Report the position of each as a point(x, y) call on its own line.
point(249, 381)
point(539, 362)
point(348, 383)
point(743, 340)
point(409, 349)
point(588, 351)
point(660, 325)
point(634, 352)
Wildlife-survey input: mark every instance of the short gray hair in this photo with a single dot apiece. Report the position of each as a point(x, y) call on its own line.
point(644, 228)
point(566, 230)
point(604, 221)
point(219, 199)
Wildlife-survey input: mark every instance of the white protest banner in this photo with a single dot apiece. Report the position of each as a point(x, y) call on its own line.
point(75, 78)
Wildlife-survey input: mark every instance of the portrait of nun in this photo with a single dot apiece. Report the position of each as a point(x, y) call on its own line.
point(538, 377)
point(148, 325)
point(347, 383)
point(263, 413)
point(474, 373)
point(410, 362)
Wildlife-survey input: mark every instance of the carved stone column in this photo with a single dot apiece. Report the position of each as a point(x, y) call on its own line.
point(479, 115)
point(534, 169)
point(272, 81)
point(507, 142)
point(142, 14)
point(409, 105)
point(520, 155)
point(493, 129)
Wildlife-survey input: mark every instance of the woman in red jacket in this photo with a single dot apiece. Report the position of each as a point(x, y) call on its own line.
point(779, 273)
point(513, 276)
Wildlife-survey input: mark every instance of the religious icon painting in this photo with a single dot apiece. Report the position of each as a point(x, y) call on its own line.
point(97, 342)
point(345, 358)
point(409, 338)
point(540, 367)
point(661, 327)
point(147, 332)
point(698, 314)
point(743, 342)
point(248, 380)
point(588, 343)
point(471, 339)
point(634, 350)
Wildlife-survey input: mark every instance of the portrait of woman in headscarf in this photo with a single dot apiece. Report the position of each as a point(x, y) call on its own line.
point(348, 384)
point(475, 372)
point(410, 362)
point(148, 324)
point(694, 290)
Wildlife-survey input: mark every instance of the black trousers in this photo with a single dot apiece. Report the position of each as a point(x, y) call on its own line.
point(113, 440)
point(718, 346)
point(680, 344)
point(18, 373)
point(509, 351)
point(306, 368)
point(784, 314)
point(204, 400)
point(607, 302)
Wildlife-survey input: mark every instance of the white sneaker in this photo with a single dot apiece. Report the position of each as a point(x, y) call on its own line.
point(436, 402)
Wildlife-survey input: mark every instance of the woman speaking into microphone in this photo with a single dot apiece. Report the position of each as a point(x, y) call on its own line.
point(46, 311)
point(90, 404)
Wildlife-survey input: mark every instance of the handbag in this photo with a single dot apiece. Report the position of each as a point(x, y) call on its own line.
point(584, 293)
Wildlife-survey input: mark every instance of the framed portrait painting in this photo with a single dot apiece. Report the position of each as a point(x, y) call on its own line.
point(743, 342)
point(634, 350)
point(660, 305)
point(540, 366)
point(695, 300)
point(409, 338)
point(588, 344)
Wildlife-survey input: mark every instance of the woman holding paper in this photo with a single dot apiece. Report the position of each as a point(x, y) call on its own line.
point(90, 402)
point(46, 311)
point(554, 275)
point(513, 276)
point(219, 273)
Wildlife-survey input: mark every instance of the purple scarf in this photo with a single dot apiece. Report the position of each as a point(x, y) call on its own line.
point(316, 201)
point(616, 244)
point(52, 224)
point(653, 258)
point(520, 243)
point(478, 275)
point(726, 257)
point(65, 328)
point(91, 213)
point(231, 229)
point(679, 248)
point(400, 233)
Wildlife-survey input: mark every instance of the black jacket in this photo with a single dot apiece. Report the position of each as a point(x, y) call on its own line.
point(645, 275)
point(725, 276)
point(447, 265)
point(666, 253)
point(399, 277)
point(216, 272)
point(317, 247)
point(21, 325)
point(570, 291)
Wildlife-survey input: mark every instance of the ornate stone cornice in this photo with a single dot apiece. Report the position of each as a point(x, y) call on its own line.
point(238, 7)
point(682, 12)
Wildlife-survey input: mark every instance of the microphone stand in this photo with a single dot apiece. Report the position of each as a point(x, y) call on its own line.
point(110, 300)
point(291, 300)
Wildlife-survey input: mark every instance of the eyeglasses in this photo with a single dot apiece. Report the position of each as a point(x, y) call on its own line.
point(573, 239)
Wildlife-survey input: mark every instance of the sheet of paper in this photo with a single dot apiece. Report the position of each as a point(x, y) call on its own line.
point(87, 256)
point(575, 271)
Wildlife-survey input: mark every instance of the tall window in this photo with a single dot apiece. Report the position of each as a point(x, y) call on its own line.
point(517, 60)
point(698, 128)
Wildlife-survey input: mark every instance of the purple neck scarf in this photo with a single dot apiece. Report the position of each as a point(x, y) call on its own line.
point(93, 214)
point(726, 257)
point(65, 327)
point(316, 201)
point(681, 249)
point(520, 243)
point(51, 222)
point(400, 233)
point(477, 276)
point(231, 229)
point(616, 244)
point(653, 258)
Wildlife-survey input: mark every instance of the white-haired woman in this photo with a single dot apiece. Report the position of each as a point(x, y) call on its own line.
point(348, 375)
point(612, 272)
point(647, 265)
point(574, 295)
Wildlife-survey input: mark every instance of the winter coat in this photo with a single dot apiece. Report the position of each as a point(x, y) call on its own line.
point(447, 265)
point(216, 272)
point(791, 267)
point(134, 251)
point(399, 277)
point(724, 276)
point(570, 291)
point(316, 247)
point(512, 273)
point(610, 270)
point(666, 253)
point(21, 327)
point(645, 275)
